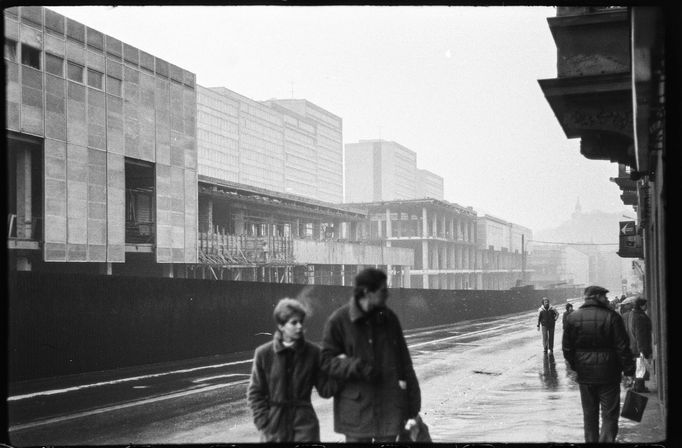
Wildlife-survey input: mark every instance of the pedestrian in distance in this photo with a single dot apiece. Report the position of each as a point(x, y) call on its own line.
point(283, 373)
point(595, 345)
point(569, 310)
point(364, 350)
point(547, 316)
point(638, 326)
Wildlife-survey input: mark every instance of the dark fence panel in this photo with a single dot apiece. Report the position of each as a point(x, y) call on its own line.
point(64, 324)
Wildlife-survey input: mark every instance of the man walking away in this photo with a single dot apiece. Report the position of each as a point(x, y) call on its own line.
point(596, 346)
point(547, 316)
point(638, 326)
point(364, 349)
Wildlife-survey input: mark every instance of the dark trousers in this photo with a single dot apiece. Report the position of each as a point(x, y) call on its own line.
point(382, 439)
point(548, 337)
point(606, 397)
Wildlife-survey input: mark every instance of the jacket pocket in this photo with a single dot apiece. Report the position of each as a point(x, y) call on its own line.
point(353, 408)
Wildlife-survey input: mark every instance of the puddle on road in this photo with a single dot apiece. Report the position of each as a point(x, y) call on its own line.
point(536, 403)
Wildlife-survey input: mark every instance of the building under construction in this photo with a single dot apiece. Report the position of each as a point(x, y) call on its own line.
point(252, 234)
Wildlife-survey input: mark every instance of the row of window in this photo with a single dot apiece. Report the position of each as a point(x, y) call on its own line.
point(54, 64)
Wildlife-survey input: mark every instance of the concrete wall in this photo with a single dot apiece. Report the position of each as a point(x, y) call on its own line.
point(71, 323)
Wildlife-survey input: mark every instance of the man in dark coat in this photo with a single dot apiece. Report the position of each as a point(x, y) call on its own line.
point(364, 349)
point(638, 325)
point(596, 346)
point(547, 316)
point(569, 310)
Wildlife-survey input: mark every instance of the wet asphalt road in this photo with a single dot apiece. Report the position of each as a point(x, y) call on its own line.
point(482, 381)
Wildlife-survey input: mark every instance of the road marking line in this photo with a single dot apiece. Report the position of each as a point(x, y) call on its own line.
point(228, 375)
point(122, 380)
point(122, 406)
point(460, 336)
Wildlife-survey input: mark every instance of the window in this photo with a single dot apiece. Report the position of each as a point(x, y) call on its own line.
point(30, 56)
point(54, 64)
point(95, 79)
point(11, 50)
point(74, 71)
point(113, 86)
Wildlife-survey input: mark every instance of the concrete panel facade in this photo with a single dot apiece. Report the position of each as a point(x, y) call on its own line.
point(95, 100)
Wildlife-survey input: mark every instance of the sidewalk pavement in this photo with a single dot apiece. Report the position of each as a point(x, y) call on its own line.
point(651, 427)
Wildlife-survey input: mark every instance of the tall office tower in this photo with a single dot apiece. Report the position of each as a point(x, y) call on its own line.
point(313, 144)
point(379, 170)
point(288, 146)
point(429, 185)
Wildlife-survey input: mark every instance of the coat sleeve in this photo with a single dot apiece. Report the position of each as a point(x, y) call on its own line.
point(326, 386)
point(257, 394)
point(556, 314)
point(568, 343)
point(340, 369)
point(539, 317)
point(621, 343)
point(414, 399)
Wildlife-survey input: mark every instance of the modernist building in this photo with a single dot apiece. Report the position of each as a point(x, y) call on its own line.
point(249, 233)
point(504, 252)
point(441, 234)
point(101, 148)
point(611, 92)
point(380, 170)
point(287, 146)
point(119, 164)
point(429, 185)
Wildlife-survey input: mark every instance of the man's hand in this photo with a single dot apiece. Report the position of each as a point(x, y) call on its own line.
point(538, 327)
point(341, 356)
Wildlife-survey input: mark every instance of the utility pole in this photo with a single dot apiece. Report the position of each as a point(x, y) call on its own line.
point(523, 259)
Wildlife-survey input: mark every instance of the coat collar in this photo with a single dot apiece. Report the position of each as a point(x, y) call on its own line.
point(355, 311)
point(278, 344)
point(594, 302)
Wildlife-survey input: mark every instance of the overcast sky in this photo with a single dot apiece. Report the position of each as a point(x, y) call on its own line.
point(457, 85)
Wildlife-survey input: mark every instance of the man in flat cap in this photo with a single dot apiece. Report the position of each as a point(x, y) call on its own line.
point(596, 347)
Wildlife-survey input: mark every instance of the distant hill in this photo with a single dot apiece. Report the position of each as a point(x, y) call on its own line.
point(591, 227)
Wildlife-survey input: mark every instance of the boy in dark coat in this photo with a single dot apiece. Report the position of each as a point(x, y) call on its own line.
point(364, 349)
point(283, 374)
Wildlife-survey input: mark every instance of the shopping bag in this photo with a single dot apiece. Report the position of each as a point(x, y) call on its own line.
point(633, 406)
point(641, 368)
point(417, 433)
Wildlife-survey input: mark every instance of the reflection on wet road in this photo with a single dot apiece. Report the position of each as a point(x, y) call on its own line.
point(482, 381)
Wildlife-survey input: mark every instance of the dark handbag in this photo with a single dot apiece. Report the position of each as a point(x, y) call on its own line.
point(633, 406)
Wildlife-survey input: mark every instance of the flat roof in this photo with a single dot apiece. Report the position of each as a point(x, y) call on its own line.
point(249, 193)
point(414, 203)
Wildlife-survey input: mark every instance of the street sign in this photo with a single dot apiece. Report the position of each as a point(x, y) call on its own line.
point(628, 228)
point(630, 242)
